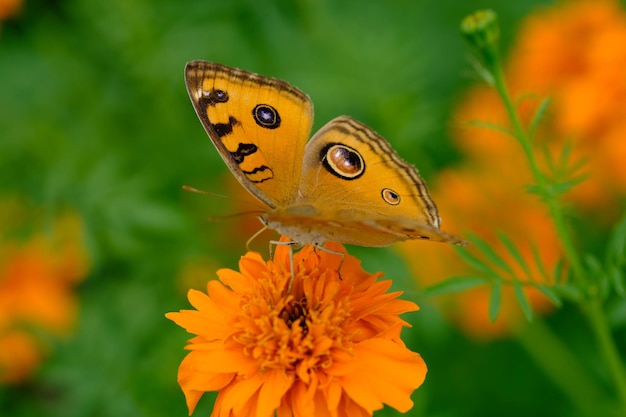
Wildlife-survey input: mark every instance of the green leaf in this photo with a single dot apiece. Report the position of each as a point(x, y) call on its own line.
point(495, 300)
point(566, 152)
point(522, 300)
point(491, 126)
point(516, 254)
point(564, 172)
point(542, 191)
point(617, 279)
point(539, 262)
point(547, 156)
point(475, 262)
point(565, 186)
point(550, 294)
point(453, 285)
point(486, 249)
point(597, 271)
point(578, 165)
point(538, 116)
point(568, 291)
point(617, 243)
point(558, 270)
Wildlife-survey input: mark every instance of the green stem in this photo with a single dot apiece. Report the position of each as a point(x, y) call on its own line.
point(561, 366)
point(555, 212)
point(602, 331)
point(593, 310)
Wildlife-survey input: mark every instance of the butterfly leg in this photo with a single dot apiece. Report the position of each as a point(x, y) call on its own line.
point(333, 252)
point(255, 235)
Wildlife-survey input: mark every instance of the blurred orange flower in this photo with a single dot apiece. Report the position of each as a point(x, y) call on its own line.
point(37, 277)
point(574, 53)
point(314, 344)
point(487, 201)
point(9, 8)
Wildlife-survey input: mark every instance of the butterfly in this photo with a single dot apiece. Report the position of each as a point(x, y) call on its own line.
point(346, 184)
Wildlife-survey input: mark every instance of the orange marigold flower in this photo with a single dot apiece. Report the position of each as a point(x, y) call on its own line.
point(319, 344)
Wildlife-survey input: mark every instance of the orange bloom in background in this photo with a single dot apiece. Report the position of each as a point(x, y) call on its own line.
point(37, 279)
point(9, 8)
point(486, 203)
point(574, 53)
point(315, 345)
point(577, 54)
point(487, 195)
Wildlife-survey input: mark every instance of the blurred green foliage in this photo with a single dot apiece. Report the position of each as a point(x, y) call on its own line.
point(94, 116)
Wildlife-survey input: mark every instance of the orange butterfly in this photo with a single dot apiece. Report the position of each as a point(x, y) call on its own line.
point(346, 184)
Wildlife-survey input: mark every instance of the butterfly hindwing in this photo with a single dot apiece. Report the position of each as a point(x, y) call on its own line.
point(352, 170)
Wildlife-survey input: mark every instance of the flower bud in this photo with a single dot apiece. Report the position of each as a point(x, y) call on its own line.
point(481, 30)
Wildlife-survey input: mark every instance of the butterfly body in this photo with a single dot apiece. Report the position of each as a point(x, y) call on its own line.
point(346, 184)
point(305, 225)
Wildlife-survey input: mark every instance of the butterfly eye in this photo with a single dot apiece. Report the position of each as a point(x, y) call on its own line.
point(390, 196)
point(343, 161)
point(266, 116)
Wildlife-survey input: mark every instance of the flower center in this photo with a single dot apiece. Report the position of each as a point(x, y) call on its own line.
point(296, 313)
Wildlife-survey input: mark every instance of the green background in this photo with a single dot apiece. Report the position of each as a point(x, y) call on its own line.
point(94, 116)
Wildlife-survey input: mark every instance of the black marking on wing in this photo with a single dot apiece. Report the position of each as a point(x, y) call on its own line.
point(259, 174)
point(223, 129)
point(266, 116)
point(243, 150)
point(381, 146)
point(342, 161)
point(212, 97)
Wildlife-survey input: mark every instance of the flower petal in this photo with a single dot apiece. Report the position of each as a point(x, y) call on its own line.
point(215, 357)
point(227, 300)
point(276, 383)
point(381, 371)
point(199, 323)
point(240, 393)
point(301, 398)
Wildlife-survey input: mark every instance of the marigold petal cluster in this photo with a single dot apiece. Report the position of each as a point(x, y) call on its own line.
point(325, 342)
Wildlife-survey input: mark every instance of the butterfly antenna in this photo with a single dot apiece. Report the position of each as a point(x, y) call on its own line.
point(224, 197)
point(197, 191)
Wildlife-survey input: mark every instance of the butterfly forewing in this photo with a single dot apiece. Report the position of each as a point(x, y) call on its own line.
point(256, 123)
